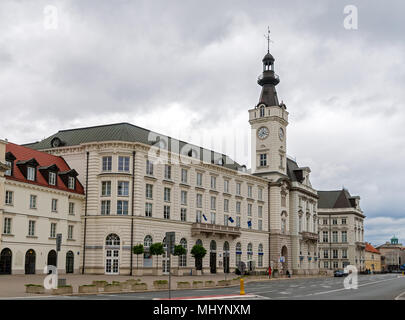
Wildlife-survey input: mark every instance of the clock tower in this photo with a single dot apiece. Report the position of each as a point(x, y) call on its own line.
point(268, 120)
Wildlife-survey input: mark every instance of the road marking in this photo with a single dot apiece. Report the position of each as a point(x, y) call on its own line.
point(401, 296)
point(284, 292)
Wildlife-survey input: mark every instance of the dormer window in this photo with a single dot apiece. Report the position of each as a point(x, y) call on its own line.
point(10, 163)
point(9, 171)
point(31, 173)
point(71, 183)
point(52, 178)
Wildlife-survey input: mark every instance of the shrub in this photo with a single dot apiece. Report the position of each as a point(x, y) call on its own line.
point(160, 282)
point(33, 285)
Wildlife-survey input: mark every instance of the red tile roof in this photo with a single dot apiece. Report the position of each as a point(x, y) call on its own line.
point(370, 248)
point(44, 159)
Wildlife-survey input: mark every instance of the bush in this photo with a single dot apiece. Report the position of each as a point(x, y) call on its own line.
point(183, 282)
point(160, 282)
point(195, 282)
point(34, 285)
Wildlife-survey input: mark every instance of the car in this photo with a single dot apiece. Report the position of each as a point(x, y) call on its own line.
point(340, 273)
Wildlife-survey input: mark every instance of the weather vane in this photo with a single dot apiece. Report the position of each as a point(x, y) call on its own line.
point(268, 39)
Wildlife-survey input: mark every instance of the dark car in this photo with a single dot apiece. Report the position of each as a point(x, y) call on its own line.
point(340, 273)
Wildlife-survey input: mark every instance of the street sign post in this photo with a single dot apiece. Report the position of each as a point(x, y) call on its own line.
point(170, 241)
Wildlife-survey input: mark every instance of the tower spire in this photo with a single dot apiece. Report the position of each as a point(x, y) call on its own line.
point(268, 39)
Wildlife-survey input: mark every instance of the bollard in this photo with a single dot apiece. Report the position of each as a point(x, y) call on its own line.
point(242, 287)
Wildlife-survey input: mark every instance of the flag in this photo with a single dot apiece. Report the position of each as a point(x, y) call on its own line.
point(205, 218)
point(249, 223)
point(230, 219)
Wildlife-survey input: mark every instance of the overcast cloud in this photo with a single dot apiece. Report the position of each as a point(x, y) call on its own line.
point(189, 69)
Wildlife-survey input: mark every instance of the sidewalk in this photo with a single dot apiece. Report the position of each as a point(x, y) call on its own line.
point(13, 285)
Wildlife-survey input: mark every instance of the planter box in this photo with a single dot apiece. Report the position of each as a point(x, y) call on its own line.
point(63, 290)
point(184, 285)
point(139, 287)
point(35, 289)
point(88, 289)
point(224, 283)
point(208, 284)
point(112, 288)
point(156, 272)
point(161, 285)
point(100, 284)
point(198, 285)
point(126, 286)
point(132, 281)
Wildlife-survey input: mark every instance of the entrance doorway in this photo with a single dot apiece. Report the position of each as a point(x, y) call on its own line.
point(5, 261)
point(112, 254)
point(226, 257)
point(165, 259)
point(213, 256)
point(284, 258)
point(70, 262)
point(30, 258)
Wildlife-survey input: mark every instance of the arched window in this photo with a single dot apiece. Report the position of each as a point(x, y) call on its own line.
point(70, 262)
point(238, 254)
point(183, 258)
point(213, 245)
point(199, 242)
point(30, 257)
point(5, 261)
point(261, 111)
point(112, 240)
point(147, 257)
point(226, 246)
point(260, 258)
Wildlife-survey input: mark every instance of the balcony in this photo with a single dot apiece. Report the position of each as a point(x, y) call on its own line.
point(309, 236)
point(360, 244)
point(208, 229)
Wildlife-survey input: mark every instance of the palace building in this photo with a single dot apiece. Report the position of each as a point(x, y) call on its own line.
point(139, 184)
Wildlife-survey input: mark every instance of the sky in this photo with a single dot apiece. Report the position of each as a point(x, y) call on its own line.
point(189, 69)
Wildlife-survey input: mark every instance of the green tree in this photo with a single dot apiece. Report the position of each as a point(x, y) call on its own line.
point(198, 252)
point(179, 250)
point(156, 249)
point(138, 249)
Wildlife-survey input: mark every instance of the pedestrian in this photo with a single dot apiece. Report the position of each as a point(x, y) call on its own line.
point(269, 272)
point(288, 274)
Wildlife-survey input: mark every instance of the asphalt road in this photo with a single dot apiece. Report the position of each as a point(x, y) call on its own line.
point(370, 287)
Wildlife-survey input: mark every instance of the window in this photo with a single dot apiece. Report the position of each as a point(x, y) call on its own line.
point(183, 214)
point(199, 179)
point(54, 205)
point(122, 207)
point(238, 258)
point(105, 207)
point(238, 207)
point(123, 188)
point(107, 163)
point(283, 200)
point(283, 225)
point(166, 212)
point(149, 168)
point(344, 253)
point(325, 221)
point(238, 222)
point(148, 209)
point(31, 228)
point(149, 191)
point(198, 216)
point(249, 191)
point(213, 203)
point(7, 226)
point(9, 171)
point(261, 112)
point(344, 221)
point(334, 222)
point(31, 173)
point(213, 217)
point(213, 182)
point(184, 198)
point(238, 189)
point(335, 264)
point(260, 224)
point(335, 253)
point(168, 172)
point(260, 257)
point(184, 175)
point(147, 257)
point(325, 236)
point(249, 252)
point(249, 213)
point(167, 194)
point(52, 178)
point(71, 208)
point(308, 224)
point(260, 194)
point(9, 197)
point(300, 224)
point(226, 219)
point(326, 254)
point(334, 236)
point(344, 236)
point(106, 188)
point(70, 232)
point(226, 186)
point(53, 230)
point(199, 200)
point(226, 205)
point(123, 164)
point(326, 264)
point(263, 160)
point(183, 258)
point(71, 183)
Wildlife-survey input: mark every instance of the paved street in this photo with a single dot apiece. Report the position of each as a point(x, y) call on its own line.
point(386, 287)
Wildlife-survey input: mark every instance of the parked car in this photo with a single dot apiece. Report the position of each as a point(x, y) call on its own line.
point(340, 273)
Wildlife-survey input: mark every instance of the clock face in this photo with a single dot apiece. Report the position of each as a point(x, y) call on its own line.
point(263, 132)
point(281, 134)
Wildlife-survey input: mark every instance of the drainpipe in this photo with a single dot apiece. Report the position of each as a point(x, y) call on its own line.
point(132, 212)
point(85, 211)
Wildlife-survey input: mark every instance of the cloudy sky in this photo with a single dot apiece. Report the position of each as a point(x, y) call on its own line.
point(189, 68)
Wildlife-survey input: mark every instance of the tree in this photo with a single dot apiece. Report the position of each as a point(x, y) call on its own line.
point(156, 249)
point(179, 250)
point(138, 249)
point(198, 252)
